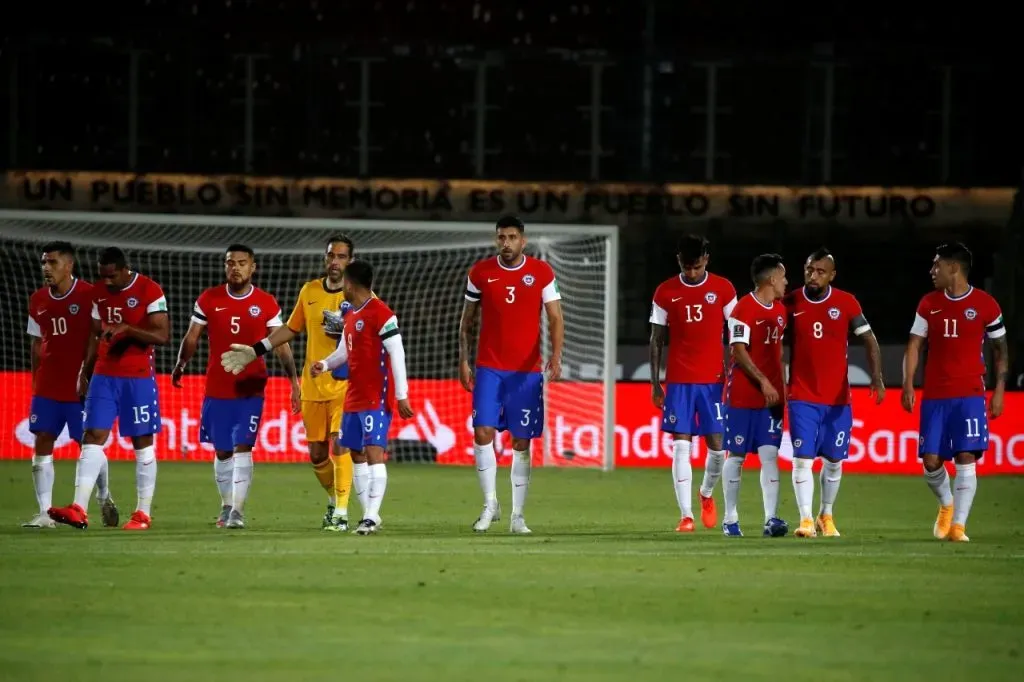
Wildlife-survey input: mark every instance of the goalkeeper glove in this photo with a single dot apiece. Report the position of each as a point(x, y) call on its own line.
point(236, 359)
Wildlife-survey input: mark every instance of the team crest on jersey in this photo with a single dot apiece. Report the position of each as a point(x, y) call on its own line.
point(833, 313)
point(528, 280)
point(254, 310)
point(710, 297)
point(132, 302)
point(73, 308)
point(782, 322)
point(359, 325)
point(970, 313)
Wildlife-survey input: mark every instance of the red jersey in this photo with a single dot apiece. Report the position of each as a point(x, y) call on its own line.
point(818, 365)
point(761, 328)
point(956, 330)
point(511, 300)
point(370, 382)
point(232, 319)
point(131, 305)
point(695, 315)
point(64, 325)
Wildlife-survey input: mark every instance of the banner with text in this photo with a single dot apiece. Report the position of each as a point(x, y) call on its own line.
point(884, 439)
point(483, 199)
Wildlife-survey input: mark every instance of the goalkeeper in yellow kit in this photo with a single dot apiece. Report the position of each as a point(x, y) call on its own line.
point(323, 398)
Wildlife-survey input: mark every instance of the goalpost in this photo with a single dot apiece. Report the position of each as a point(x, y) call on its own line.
point(421, 269)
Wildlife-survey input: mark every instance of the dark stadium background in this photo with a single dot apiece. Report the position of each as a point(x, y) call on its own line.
point(916, 99)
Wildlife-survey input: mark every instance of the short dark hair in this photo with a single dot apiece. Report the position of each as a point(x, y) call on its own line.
point(763, 265)
point(241, 248)
point(343, 239)
point(510, 221)
point(956, 252)
point(112, 255)
point(360, 272)
point(821, 254)
point(61, 247)
point(691, 248)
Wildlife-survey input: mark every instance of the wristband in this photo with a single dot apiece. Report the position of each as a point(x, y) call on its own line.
point(261, 347)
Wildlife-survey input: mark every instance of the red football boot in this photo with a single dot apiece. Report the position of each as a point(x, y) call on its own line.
point(708, 513)
point(139, 521)
point(72, 515)
point(685, 525)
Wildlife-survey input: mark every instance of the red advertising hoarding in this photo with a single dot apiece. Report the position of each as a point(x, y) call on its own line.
point(884, 439)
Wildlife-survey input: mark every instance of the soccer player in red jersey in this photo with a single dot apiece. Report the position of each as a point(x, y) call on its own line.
point(821, 318)
point(370, 332)
point(130, 314)
point(755, 394)
point(508, 293)
point(955, 319)
point(60, 325)
point(234, 312)
point(692, 307)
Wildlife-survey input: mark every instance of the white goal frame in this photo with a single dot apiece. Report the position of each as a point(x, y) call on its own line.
point(470, 234)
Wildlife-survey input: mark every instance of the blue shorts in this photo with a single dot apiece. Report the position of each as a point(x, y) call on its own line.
point(818, 429)
point(131, 401)
point(365, 428)
point(953, 425)
point(51, 416)
point(748, 429)
point(230, 422)
point(507, 400)
point(693, 409)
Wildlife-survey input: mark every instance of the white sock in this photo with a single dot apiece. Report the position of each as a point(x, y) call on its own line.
point(145, 478)
point(521, 467)
point(42, 481)
point(103, 482)
point(712, 471)
point(682, 477)
point(831, 475)
point(487, 471)
point(769, 456)
point(361, 485)
point(378, 485)
point(241, 478)
point(803, 485)
point(223, 470)
point(90, 462)
point(938, 481)
point(965, 485)
point(732, 471)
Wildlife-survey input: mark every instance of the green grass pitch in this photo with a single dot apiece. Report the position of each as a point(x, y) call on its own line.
point(603, 589)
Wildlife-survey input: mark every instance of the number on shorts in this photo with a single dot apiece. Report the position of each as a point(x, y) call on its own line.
point(235, 327)
point(774, 425)
point(141, 414)
point(60, 325)
point(840, 439)
point(718, 411)
point(368, 423)
point(818, 330)
point(511, 298)
point(976, 432)
point(526, 418)
point(254, 423)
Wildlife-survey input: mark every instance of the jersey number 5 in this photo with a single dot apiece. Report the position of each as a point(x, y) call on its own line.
point(235, 327)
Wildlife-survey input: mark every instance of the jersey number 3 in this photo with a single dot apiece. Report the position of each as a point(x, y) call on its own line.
point(511, 298)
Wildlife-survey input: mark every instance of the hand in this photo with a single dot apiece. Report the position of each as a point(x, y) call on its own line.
point(877, 389)
point(658, 395)
point(176, 375)
point(554, 368)
point(115, 331)
point(466, 376)
point(333, 322)
point(995, 407)
point(236, 359)
point(404, 408)
point(296, 398)
point(771, 396)
point(908, 398)
point(316, 369)
point(83, 384)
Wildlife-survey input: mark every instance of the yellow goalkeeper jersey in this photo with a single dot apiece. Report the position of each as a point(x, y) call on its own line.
point(308, 316)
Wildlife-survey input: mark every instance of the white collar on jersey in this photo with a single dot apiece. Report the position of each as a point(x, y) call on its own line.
point(74, 283)
point(227, 288)
point(514, 267)
point(695, 284)
point(824, 298)
point(961, 297)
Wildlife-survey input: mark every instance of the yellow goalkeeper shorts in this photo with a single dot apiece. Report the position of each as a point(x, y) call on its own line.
point(322, 418)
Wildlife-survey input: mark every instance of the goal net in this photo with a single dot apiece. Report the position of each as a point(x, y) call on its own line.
point(420, 271)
